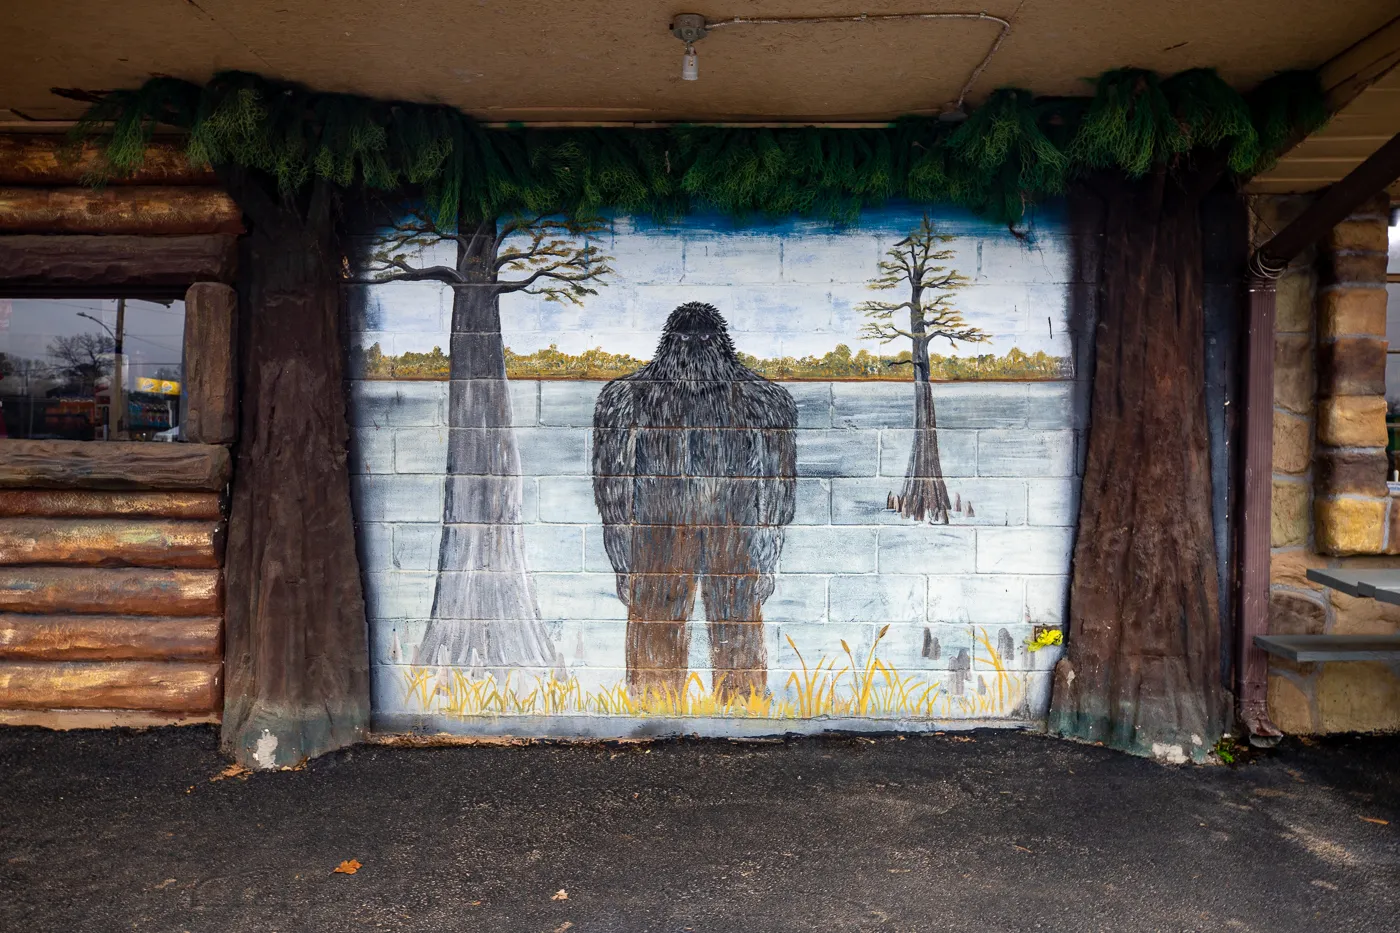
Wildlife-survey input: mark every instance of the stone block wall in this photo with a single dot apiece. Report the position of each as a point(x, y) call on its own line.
point(1351, 507)
point(1329, 468)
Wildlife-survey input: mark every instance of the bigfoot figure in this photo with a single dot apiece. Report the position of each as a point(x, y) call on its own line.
point(694, 472)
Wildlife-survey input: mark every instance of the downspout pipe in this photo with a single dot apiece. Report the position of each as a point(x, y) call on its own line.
point(1266, 265)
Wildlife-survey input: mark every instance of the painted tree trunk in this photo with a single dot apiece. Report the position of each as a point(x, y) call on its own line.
point(924, 495)
point(297, 655)
point(1142, 668)
point(485, 614)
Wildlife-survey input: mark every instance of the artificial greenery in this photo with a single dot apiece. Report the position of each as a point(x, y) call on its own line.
point(1013, 150)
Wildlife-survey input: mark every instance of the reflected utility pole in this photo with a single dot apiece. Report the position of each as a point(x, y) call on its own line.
point(116, 400)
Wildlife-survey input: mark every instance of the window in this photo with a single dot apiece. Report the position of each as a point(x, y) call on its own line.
point(91, 368)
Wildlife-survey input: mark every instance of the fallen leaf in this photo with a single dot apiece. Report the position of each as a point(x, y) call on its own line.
point(1372, 819)
point(476, 903)
point(347, 868)
point(563, 926)
point(234, 770)
point(560, 895)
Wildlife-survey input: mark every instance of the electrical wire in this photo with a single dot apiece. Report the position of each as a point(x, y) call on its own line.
point(882, 17)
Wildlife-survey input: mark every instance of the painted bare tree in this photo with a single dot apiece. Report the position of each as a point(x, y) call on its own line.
point(916, 263)
point(485, 615)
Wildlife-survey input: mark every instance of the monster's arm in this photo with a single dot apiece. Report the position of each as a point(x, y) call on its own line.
point(778, 467)
point(614, 474)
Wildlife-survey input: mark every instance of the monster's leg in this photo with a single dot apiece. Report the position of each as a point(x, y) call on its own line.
point(733, 591)
point(662, 596)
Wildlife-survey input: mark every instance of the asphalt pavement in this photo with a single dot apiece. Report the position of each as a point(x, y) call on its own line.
point(982, 831)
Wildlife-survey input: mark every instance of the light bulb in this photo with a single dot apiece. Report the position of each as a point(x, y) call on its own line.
point(690, 65)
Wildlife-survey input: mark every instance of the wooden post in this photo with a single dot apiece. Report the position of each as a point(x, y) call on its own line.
point(210, 387)
point(1253, 665)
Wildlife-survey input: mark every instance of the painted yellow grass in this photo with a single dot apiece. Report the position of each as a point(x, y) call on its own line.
point(840, 687)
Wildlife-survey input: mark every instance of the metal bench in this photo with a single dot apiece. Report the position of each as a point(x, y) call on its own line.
point(1381, 585)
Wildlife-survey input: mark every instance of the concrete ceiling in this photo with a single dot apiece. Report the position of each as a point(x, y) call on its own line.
point(614, 60)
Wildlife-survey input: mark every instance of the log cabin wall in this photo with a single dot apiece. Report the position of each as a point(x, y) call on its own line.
point(111, 553)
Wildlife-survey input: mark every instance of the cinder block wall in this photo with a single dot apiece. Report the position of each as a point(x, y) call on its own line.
point(1329, 469)
point(1008, 450)
point(848, 568)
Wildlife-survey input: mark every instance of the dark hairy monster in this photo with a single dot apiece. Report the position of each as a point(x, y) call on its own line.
point(695, 475)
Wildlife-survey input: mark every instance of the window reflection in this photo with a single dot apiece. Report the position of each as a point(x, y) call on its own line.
point(91, 368)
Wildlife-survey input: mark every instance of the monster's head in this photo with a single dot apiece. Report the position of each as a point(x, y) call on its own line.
point(696, 337)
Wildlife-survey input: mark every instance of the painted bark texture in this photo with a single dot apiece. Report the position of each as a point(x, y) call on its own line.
point(297, 655)
point(925, 492)
point(1142, 667)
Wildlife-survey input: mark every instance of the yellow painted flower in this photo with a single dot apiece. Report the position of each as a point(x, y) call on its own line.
point(1045, 638)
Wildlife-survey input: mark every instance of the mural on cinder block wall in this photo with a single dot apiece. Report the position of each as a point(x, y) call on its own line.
point(714, 477)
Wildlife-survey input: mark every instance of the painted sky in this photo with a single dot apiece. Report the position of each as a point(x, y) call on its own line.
point(788, 288)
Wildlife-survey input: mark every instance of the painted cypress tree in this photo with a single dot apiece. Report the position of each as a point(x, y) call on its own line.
point(485, 615)
point(917, 263)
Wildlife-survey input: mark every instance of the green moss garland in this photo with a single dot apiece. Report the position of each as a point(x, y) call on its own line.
point(1013, 150)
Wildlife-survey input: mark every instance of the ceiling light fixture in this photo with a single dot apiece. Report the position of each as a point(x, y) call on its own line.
point(692, 27)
